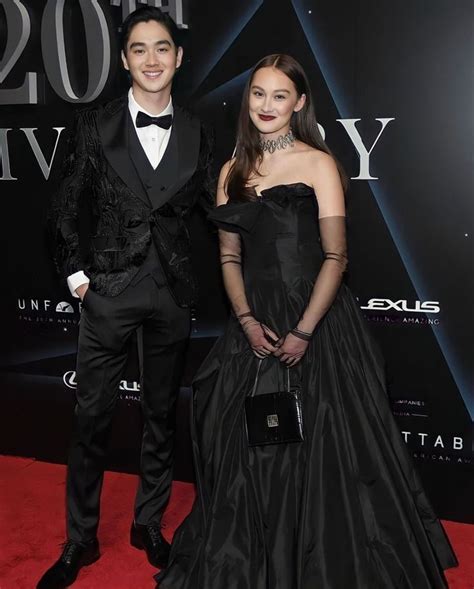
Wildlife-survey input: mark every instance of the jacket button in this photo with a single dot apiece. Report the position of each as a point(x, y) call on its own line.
point(163, 188)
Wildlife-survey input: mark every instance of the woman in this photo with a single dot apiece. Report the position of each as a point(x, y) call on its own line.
point(344, 508)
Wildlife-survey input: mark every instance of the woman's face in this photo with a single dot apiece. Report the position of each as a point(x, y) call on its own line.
point(272, 101)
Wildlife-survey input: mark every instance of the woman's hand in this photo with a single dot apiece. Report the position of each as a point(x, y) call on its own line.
point(260, 337)
point(291, 349)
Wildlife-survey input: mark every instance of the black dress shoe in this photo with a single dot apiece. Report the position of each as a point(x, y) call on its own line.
point(150, 539)
point(65, 570)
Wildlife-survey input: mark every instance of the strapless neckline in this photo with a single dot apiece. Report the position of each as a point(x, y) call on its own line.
point(290, 185)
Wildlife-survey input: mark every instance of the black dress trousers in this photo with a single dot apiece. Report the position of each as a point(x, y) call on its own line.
point(107, 323)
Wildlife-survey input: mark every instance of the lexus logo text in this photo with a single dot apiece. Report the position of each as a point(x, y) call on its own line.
point(402, 306)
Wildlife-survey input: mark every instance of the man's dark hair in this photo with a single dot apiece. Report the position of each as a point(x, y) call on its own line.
point(145, 14)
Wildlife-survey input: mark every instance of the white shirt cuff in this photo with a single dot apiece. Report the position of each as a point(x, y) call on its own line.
point(76, 280)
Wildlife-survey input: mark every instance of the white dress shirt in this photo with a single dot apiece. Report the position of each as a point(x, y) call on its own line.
point(154, 141)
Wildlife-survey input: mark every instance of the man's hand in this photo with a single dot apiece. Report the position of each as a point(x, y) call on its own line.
point(81, 290)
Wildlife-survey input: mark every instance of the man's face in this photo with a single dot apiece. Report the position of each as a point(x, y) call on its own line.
point(151, 57)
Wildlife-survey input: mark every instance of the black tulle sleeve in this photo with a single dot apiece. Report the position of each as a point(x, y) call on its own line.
point(333, 241)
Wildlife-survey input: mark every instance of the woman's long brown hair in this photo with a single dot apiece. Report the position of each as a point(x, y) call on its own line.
point(249, 154)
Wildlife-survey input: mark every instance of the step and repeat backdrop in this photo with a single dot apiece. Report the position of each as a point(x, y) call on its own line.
point(393, 90)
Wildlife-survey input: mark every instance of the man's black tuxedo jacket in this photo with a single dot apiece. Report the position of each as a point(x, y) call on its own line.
point(124, 214)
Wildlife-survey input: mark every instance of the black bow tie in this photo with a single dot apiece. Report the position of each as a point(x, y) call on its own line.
point(144, 120)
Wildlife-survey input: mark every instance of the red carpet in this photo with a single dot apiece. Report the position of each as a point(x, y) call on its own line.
point(32, 530)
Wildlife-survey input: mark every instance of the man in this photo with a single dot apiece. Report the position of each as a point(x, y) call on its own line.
point(140, 163)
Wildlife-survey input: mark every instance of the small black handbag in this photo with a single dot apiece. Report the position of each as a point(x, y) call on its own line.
point(274, 418)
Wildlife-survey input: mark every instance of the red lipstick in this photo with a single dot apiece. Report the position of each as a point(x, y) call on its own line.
point(266, 117)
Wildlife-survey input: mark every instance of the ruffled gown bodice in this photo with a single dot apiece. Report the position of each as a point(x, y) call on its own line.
point(281, 250)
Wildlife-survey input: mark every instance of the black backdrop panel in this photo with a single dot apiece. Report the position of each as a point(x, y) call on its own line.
point(392, 89)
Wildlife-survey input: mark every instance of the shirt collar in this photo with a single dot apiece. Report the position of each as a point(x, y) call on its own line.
point(134, 107)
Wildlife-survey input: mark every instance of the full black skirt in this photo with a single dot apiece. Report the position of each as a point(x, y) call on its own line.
point(345, 508)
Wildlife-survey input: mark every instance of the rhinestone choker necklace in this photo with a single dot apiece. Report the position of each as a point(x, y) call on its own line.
point(282, 142)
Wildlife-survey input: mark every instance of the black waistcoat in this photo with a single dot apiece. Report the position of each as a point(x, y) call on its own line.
point(155, 182)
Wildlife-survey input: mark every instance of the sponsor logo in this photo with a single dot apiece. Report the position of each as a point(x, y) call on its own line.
point(433, 447)
point(69, 379)
point(129, 390)
point(47, 306)
point(47, 311)
point(402, 311)
point(433, 441)
point(64, 307)
point(438, 457)
point(402, 306)
point(410, 408)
